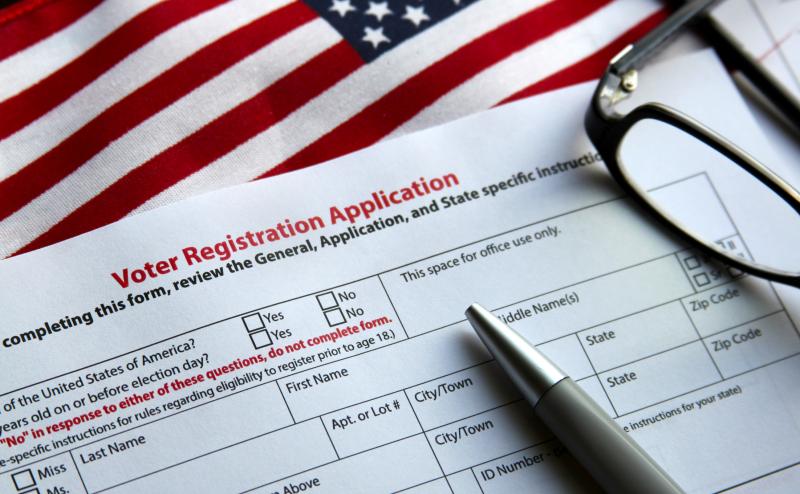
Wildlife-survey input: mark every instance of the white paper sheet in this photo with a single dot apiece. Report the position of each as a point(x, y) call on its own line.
point(770, 31)
point(311, 364)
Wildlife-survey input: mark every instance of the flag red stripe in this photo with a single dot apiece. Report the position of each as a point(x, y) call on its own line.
point(209, 143)
point(47, 170)
point(406, 100)
point(592, 66)
point(37, 22)
point(30, 104)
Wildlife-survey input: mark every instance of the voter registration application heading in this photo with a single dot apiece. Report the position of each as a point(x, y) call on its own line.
point(305, 334)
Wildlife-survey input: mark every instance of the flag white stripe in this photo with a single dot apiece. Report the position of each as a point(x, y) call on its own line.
point(346, 99)
point(533, 64)
point(27, 67)
point(166, 128)
point(137, 69)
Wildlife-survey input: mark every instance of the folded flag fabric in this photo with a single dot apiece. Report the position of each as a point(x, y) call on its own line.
point(109, 108)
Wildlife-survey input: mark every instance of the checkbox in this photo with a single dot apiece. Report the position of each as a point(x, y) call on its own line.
point(253, 322)
point(701, 279)
point(335, 317)
point(260, 339)
point(32, 491)
point(327, 301)
point(23, 479)
point(691, 262)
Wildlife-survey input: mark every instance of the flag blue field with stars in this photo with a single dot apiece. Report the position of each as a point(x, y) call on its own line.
point(373, 28)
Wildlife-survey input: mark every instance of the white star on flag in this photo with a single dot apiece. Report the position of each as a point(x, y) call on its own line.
point(379, 10)
point(416, 15)
point(374, 36)
point(342, 7)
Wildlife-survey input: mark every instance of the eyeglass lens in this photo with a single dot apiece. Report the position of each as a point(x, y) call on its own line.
point(701, 190)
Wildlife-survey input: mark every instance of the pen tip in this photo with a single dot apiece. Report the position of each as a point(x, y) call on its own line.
point(531, 371)
point(487, 325)
point(480, 318)
point(473, 308)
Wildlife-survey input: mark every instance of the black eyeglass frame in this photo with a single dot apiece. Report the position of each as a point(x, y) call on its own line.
point(607, 129)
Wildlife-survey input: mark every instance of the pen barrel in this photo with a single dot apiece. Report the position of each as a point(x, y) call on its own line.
point(607, 452)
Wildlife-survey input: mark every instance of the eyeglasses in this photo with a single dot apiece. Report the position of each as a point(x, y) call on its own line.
point(640, 145)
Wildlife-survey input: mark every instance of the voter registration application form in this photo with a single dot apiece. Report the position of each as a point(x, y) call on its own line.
point(305, 334)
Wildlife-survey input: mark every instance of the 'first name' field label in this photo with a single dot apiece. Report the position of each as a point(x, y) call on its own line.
point(315, 380)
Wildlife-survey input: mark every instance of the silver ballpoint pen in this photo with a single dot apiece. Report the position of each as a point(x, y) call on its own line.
point(609, 454)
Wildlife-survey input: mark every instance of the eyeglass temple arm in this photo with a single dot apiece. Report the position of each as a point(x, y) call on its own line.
point(636, 55)
point(726, 46)
point(733, 55)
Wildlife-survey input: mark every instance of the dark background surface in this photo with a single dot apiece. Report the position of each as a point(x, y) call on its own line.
point(6, 3)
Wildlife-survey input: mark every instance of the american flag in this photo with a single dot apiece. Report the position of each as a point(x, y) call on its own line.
point(109, 108)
